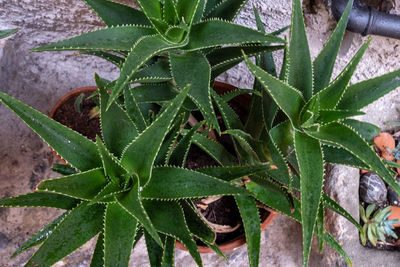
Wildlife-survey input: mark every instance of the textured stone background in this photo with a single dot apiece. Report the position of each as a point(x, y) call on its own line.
point(40, 79)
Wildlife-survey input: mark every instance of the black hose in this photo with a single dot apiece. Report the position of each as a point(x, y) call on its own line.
point(368, 20)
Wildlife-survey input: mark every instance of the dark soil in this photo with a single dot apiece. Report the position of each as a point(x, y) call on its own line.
point(80, 122)
point(223, 211)
point(197, 158)
point(390, 243)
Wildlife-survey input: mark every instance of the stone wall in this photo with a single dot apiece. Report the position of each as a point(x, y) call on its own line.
point(40, 79)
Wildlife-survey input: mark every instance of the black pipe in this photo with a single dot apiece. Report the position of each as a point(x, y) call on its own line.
point(368, 20)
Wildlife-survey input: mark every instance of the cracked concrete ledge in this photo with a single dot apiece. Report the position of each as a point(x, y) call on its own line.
point(40, 79)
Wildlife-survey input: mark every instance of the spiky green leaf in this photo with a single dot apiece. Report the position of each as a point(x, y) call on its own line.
point(367, 130)
point(337, 155)
point(287, 98)
point(63, 169)
point(221, 59)
point(40, 199)
point(198, 77)
point(229, 173)
point(346, 138)
point(115, 117)
point(5, 33)
point(150, 140)
point(84, 222)
point(76, 149)
point(251, 222)
point(196, 224)
point(120, 38)
point(142, 51)
point(325, 61)
point(187, 9)
point(114, 14)
point(108, 193)
point(98, 253)
point(300, 67)
point(116, 60)
point(152, 8)
point(364, 93)
point(215, 150)
point(310, 159)
point(227, 10)
point(210, 5)
point(330, 97)
point(179, 154)
point(320, 227)
point(169, 252)
point(154, 251)
point(276, 201)
point(157, 72)
point(39, 236)
point(111, 166)
point(328, 116)
point(214, 32)
point(134, 111)
point(84, 185)
point(132, 203)
point(333, 205)
point(229, 116)
point(336, 246)
point(282, 137)
point(177, 183)
point(168, 218)
point(119, 231)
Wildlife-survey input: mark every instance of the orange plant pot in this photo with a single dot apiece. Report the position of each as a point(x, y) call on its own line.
point(242, 101)
point(65, 98)
point(234, 243)
point(395, 215)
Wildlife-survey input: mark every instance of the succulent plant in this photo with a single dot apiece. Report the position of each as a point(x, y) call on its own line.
point(301, 120)
point(123, 187)
point(376, 226)
point(162, 42)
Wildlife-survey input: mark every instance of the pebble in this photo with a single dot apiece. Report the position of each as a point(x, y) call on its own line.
point(392, 197)
point(372, 189)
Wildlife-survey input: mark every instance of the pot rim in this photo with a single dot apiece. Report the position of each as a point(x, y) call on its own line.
point(234, 243)
point(70, 94)
point(60, 102)
point(240, 240)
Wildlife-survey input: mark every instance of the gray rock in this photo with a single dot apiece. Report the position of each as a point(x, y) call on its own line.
point(393, 197)
point(3, 240)
point(372, 188)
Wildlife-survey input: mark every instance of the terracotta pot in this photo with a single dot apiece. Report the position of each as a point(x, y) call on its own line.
point(383, 142)
point(242, 101)
point(234, 243)
point(395, 215)
point(64, 99)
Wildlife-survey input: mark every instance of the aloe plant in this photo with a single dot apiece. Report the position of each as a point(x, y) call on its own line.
point(376, 226)
point(306, 122)
point(128, 184)
point(161, 42)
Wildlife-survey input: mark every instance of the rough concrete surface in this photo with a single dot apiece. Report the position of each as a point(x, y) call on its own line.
point(40, 79)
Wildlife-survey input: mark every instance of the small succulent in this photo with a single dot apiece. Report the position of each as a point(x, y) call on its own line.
point(179, 42)
point(395, 152)
point(377, 225)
